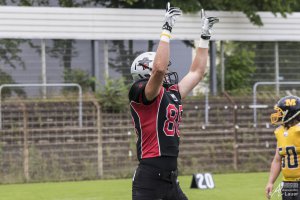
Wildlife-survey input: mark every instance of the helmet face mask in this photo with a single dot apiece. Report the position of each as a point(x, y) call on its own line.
point(171, 78)
point(278, 116)
point(286, 109)
point(141, 68)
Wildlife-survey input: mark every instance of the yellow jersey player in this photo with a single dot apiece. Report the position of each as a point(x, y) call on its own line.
point(287, 154)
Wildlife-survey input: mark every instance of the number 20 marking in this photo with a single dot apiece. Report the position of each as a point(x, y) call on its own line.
point(205, 181)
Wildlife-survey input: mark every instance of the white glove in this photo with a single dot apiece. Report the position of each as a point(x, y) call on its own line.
point(207, 24)
point(170, 17)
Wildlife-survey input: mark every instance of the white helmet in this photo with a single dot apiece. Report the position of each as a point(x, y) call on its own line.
point(142, 66)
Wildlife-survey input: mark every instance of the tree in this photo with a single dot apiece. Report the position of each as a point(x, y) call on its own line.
point(7, 79)
point(64, 50)
point(251, 7)
point(240, 66)
point(9, 52)
point(124, 55)
point(9, 55)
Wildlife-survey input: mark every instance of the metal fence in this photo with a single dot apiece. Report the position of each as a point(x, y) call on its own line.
point(41, 140)
point(23, 61)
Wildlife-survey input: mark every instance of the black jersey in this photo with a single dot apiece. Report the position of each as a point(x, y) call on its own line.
point(157, 122)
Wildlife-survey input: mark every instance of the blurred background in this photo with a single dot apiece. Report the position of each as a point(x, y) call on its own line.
point(53, 131)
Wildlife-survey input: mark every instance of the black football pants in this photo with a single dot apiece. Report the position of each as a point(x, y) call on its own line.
point(153, 184)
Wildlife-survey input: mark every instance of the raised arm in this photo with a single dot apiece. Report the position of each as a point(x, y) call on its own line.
point(162, 56)
point(197, 69)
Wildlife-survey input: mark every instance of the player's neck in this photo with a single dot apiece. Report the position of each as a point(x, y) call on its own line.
point(290, 124)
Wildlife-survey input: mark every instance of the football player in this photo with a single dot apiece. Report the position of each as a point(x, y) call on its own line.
point(155, 101)
point(286, 159)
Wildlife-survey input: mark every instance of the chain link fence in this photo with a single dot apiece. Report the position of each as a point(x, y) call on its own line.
point(74, 61)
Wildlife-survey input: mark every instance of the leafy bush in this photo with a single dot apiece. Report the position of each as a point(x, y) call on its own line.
point(113, 96)
point(80, 77)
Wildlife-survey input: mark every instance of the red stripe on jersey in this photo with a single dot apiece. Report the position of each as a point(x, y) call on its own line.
point(148, 116)
point(174, 87)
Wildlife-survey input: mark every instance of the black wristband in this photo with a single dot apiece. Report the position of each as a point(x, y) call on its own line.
point(205, 37)
point(166, 26)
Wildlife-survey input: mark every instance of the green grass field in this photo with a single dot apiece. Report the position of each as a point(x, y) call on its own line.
point(243, 186)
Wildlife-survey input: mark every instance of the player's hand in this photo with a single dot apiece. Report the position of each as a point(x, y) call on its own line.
point(207, 24)
point(170, 17)
point(268, 190)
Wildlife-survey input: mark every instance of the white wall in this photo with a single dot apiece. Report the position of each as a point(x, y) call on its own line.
point(137, 24)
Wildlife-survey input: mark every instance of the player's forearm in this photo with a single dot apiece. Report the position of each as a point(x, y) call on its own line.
point(162, 57)
point(161, 60)
point(274, 171)
point(159, 69)
point(200, 61)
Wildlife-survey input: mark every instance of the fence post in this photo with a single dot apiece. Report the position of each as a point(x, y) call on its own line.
point(235, 134)
point(222, 67)
point(213, 67)
point(276, 55)
point(44, 69)
point(235, 139)
point(206, 106)
point(99, 131)
point(25, 143)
